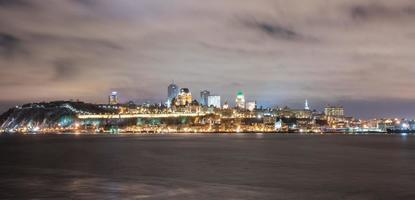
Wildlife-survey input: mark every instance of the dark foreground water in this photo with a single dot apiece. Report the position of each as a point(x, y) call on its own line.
point(207, 167)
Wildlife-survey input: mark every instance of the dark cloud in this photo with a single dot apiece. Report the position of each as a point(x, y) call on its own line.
point(85, 2)
point(373, 11)
point(410, 10)
point(275, 30)
point(358, 12)
point(227, 49)
point(14, 3)
point(9, 45)
point(270, 49)
point(278, 31)
point(65, 70)
point(87, 42)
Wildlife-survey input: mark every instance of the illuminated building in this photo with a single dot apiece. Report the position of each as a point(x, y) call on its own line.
point(251, 106)
point(334, 111)
point(204, 95)
point(187, 115)
point(113, 98)
point(240, 100)
point(225, 105)
point(184, 97)
point(294, 113)
point(278, 124)
point(172, 92)
point(214, 100)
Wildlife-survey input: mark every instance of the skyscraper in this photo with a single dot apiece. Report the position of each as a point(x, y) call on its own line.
point(204, 95)
point(306, 105)
point(214, 100)
point(113, 98)
point(240, 100)
point(172, 92)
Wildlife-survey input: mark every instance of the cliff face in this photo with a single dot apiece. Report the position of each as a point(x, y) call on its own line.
point(62, 113)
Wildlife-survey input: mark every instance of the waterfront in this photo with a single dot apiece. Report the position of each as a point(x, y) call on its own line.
point(76, 116)
point(213, 166)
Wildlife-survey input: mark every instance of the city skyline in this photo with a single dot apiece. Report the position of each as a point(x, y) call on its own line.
point(207, 99)
point(352, 53)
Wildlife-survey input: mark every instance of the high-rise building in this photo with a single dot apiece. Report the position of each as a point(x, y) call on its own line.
point(184, 97)
point(306, 107)
point(204, 95)
point(251, 106)
point(240, 100)
point(214, 100)
point(334, 111)
point(113, 98)
point(172, 91)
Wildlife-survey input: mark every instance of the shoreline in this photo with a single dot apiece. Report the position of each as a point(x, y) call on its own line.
point(207, 134)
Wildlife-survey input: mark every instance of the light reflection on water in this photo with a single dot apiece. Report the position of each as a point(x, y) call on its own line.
point(231, 166)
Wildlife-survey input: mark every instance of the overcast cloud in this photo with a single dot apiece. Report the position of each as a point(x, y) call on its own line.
point(354, 52)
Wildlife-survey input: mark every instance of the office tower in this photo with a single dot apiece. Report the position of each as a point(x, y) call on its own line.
point(113, 98)
point(204, 95)
point(172, 91)
point(240, 100)
point(214, 100)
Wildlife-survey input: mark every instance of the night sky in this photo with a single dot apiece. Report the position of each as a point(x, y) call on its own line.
point(358, 53)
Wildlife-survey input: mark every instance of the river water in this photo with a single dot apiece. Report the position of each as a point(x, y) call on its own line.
point(232, 166)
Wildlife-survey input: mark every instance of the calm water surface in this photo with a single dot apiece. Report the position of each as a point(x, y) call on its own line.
point(207, 167)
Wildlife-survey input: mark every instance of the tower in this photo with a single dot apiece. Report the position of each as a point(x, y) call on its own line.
point(240, 100)
point(172, 92)
point(214, 100)
point(306, 105)
point(204, 96)
point(113, 98)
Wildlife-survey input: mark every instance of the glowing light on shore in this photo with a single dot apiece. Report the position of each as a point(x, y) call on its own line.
point(123, 116)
